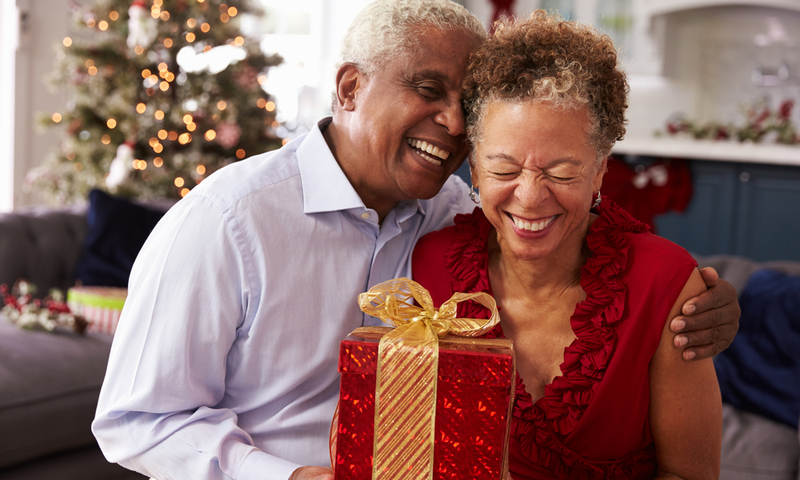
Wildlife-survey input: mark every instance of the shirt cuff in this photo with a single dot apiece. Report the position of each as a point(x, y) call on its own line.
point(263, 466)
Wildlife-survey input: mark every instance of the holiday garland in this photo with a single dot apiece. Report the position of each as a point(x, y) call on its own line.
point(762, 125)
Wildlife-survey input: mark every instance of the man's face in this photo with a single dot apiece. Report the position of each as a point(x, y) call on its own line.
point(409, 124)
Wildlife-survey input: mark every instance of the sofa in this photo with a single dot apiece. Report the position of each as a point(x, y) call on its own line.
point(759, 374)
point(49, 382)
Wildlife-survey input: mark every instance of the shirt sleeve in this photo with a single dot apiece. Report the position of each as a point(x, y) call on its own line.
point(189, 291)
point(461, 203)
point(451, 200)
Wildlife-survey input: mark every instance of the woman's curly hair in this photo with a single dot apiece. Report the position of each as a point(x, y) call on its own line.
point(547, 59)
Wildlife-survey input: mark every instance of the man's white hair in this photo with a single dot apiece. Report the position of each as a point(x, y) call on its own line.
point(387, 29)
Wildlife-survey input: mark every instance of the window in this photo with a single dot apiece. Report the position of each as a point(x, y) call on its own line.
point(8, 47)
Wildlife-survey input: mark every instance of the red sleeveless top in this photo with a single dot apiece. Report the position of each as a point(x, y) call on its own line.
point(593, 421)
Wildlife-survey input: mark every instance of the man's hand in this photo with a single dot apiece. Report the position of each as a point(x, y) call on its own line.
point(709, 321)
point(312, 473)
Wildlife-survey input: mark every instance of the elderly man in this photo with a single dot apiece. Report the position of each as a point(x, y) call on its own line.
point(224, 362)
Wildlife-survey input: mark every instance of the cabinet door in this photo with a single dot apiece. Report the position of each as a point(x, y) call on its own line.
point(706, 227)
point(768, 213)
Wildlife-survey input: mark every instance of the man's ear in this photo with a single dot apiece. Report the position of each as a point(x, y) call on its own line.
point(348, 80)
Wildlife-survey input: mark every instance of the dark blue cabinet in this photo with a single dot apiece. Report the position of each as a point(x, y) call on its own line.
point(768, 210)
point(744, 209)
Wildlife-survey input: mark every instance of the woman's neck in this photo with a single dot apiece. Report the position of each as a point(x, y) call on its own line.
point(546, 278)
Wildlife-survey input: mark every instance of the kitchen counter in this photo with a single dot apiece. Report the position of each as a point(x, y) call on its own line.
point(729, 151)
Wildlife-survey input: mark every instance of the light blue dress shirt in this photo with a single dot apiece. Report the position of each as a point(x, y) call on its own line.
point(224, 364)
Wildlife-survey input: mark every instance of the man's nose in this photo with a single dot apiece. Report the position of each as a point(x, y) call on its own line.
point(452, 118)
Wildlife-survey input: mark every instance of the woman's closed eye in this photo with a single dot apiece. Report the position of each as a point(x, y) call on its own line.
point(560, 178)
point(562, 174)
point(504, 174)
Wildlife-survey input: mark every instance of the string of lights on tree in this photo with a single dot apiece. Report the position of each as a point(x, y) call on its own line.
point(162, 94)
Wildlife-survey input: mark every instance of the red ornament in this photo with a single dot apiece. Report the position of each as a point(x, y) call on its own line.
point(228, 134)
point(785, 110)
point(502, 8)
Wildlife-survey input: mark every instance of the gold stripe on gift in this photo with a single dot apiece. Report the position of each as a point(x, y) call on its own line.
point(408, 356)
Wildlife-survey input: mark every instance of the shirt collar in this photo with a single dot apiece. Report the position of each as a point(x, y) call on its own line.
point(325, 186)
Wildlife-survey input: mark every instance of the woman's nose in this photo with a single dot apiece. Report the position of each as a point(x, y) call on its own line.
point(531, 189)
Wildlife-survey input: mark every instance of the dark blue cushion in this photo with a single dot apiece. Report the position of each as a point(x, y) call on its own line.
point(117, 230)
point(760, 372)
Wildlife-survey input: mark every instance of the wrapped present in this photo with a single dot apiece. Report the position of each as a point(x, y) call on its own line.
point(100, 306)
point(417, 406)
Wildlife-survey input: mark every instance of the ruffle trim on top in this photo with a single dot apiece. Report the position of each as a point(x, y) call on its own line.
point(466, 261)
point(537, 425)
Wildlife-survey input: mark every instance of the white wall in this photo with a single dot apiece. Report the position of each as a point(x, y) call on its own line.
point(47, 23)
point(8, 47)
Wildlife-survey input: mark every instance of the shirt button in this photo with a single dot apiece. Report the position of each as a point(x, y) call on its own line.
point(365, 215)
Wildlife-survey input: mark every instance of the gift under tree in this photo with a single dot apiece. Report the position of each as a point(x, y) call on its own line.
point(162, 94)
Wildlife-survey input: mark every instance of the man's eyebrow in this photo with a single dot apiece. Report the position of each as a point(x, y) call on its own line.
point(428, 74)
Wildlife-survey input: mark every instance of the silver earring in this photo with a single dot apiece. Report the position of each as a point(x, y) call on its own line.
point(597, 200)
point(472, 195)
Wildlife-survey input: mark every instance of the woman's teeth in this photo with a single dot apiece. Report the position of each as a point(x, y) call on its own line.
point(435, 155)
point(532, 226)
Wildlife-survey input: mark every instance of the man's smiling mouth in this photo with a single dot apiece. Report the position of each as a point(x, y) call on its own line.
point(429, 152)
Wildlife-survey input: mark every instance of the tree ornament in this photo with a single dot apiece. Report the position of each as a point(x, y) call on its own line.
point(247, 77)
point(142, 27)
point(121, 166)
point(228, 134)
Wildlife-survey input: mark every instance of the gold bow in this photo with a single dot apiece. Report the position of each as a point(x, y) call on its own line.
point(408, 357)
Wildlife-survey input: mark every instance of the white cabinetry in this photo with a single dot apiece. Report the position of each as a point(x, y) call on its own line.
point(660, 7)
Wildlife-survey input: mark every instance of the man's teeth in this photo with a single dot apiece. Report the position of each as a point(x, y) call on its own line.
point(434, 154)
point(534, 226)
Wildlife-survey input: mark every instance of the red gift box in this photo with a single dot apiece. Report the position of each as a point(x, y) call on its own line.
point(473, 409)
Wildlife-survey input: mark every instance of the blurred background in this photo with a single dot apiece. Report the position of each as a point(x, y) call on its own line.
point(713, 83)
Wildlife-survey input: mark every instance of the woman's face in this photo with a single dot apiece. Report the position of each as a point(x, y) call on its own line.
point(536, 176)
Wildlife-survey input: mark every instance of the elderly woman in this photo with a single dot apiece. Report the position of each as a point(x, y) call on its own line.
point(585, 292)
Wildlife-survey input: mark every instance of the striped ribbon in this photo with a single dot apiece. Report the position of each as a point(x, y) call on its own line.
point(408, 356)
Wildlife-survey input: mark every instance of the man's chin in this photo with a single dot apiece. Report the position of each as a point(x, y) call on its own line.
point(424, 193)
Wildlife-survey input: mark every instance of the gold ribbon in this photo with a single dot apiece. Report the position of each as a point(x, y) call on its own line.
point(408, 358)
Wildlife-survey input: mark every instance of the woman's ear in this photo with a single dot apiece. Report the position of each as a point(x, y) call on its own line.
point(348, 79)
point(473, 171)
point(598, 178)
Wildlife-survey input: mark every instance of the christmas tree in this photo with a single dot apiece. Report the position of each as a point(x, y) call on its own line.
point(162, 94)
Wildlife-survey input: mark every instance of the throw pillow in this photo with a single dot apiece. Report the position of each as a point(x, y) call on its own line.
point(117, 229)
point(759, 372)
